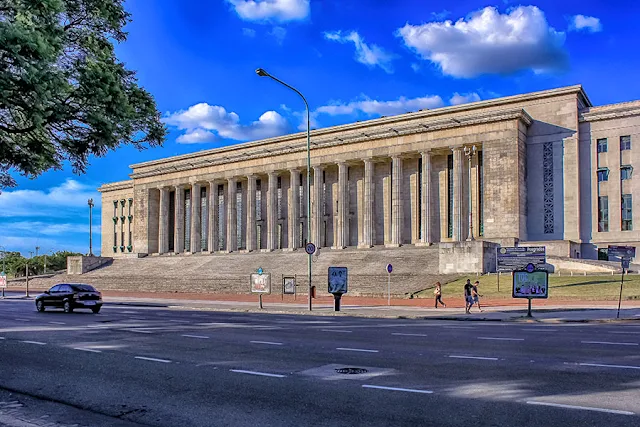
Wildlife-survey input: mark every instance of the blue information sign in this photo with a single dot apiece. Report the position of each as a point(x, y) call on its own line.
point(389, 268)
point(518, 257)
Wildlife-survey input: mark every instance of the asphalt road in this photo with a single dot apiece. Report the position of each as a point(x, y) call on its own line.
point(132, 366)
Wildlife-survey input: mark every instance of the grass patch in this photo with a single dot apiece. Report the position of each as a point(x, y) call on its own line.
point(602, 288)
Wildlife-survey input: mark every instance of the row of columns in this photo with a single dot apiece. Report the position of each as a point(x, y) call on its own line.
point(294, 216)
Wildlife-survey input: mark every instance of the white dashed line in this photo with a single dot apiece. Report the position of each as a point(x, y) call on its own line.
point(336, 330)
point(458, 327)
point(266, 342)
point(409, 335)
point(195, 336)
point(152, 359)
point(140, 331)
point(539, 330)
point(473, 357)
point(34, 342)
point(22, 320)
point(584, 408)
point(262, 374)
point(409, 390)
point(57, 323)
point(1, 338)
point(601, 365)
point(624, 332)
point(178, 321)
point(500, 339)
point(88, 349)
point(356, 349)
point(609, 343)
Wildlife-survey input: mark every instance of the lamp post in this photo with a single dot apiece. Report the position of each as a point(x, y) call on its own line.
point(4, 254)
point(263, 73)
point(90, 203)
point(45, 260)
point(470, 152)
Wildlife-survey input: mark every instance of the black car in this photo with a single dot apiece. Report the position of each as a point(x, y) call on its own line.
point(70, 296)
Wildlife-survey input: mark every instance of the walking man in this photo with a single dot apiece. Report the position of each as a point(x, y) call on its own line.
point(438, 293)
point(468, 299)
point(476, 295)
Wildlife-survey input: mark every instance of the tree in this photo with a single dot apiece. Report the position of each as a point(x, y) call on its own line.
point(64, 96)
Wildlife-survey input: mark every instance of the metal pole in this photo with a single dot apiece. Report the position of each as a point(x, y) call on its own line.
point(389, 289)
point(27, 279)
point(90, 202)
point(529, 311)
point(620, 298)
point(45, 263)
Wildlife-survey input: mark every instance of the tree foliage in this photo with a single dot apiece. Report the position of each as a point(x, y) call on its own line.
point(64, 96)
point(16, 265)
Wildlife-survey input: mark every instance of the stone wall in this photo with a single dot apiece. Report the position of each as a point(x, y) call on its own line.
point(82, 264)
point(467, 257)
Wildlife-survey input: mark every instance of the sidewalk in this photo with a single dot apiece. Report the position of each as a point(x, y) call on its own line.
point(548, 311)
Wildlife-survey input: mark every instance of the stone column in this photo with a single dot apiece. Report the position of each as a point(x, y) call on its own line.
point(251, 213)
point(317, 206)
point(343, 197)
point(367, 229)
point(458, 171)
point(196, 243)
point(213, 217)
point(396, 202)
point(163, 228)
point(271, 210)
point(293, 211)
point(178, 245)
point(232, 217)
point(425, 201)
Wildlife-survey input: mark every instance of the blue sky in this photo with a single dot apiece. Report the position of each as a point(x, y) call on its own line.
point(353, 60)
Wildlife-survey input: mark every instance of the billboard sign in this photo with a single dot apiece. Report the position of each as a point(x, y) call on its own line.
point(517, 257)
point(289, 285)
point(622, 252)
point(531, 284)
point(3, 280)
point(261, 283)
point(337, 280)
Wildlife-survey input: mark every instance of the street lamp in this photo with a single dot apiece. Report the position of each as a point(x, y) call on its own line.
point(45, 260)
point(90, 203)
point(470, 152)
point(263, 73)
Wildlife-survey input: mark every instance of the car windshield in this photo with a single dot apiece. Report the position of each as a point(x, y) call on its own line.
point(83, 288)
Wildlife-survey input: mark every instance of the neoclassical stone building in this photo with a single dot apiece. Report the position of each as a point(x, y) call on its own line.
point(540, 168)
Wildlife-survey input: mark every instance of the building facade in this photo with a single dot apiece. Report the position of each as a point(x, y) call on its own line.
point(540, 168)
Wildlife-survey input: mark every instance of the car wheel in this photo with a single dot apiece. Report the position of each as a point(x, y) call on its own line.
point(67, 307)
point(40, 306)
point(95, 310)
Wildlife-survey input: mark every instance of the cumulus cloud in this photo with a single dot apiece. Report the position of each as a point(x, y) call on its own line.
point(279, 33)
point(203, 121)
point(440, 15)
point(488, 42)
point(368, 54)
point(266, 10)
point(50, 229)
point(586, 23)
point(248, 32)
point(458, 99)
point(383, 108)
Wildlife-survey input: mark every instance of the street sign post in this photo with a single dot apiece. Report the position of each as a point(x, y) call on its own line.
point(530, 283)
point(260, 284)
point(338, 284)
point(310, 248)
point(3, 282)
point(512, 258)
point(624, 253)
point(389, 270)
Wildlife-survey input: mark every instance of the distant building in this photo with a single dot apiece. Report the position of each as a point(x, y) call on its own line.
point(549, 169)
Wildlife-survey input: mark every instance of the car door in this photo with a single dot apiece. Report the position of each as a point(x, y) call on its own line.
point(49, 299)
point(64, 293)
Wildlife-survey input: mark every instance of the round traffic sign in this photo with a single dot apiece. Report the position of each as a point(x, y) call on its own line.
point(530, 268)
point(310, 248)
point(260, 270)
point(389, 268)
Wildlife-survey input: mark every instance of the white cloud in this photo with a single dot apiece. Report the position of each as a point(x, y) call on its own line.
point(277, 10)
point(200, 118)
point(67, 199)
point(440, 15)
point(24, 245)
point(49, 229)
point(382, 108)
point(587, 23)
point(279, 33)
point(248, 32)
point(370, 55)
point(415, 67)
point(458, 99)
point(196, 136)
point(489, 42)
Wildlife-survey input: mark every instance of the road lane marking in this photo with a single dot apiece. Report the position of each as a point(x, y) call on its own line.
point(153, 359)
point(458, 327)
point(539, 330)
point(179, 321)
point(266, 342)
point(34, 342)
point(356, 349)
point(57, 323)
point(1, 338)
point(602, 365)
point(88, 349)
point(473, 357)
point(409, 335)
point(609, 343)
point(19, 319)
point(262, 374)
point(409, 390)
point(195, 336)
point(140, 331)
point(500, 339)
point(584, 408)
point(624, 332)
point(336, 330)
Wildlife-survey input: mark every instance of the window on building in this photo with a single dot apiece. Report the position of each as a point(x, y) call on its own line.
point(258, 202)
point(603, 213)
point(239, 216)
point(627, 212)
point(279, 199)
point(625, 172)
point(625, 142)
point(602, 145)
point(450, 196)
point(115, 208)
point(419, 201)
point(204, 219)
point(603, 254)
point(187, 220)
point(603, 174)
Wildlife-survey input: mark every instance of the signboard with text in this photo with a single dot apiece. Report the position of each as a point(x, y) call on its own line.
point(261, 283)
point(533, 284)
point(289, 285)
point(622, 252)
point(517, 257)
point(3, 281)
point(337, 280)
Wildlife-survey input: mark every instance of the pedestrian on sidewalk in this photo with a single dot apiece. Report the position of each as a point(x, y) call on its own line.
point(468, 299)
point(476, 295)
point(438, 293)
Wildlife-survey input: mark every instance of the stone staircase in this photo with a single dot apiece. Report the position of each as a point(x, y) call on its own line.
point(414, 269)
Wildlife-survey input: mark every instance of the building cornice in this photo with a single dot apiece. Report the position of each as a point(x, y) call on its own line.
point(115, 186)
point(253, 151)
point(613, 111)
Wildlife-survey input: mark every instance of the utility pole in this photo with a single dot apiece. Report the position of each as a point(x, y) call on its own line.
point(37, 249)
